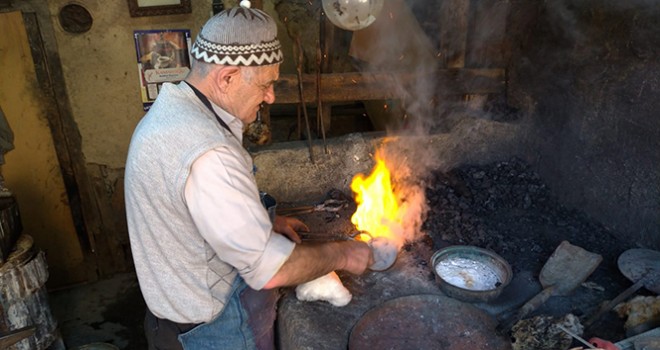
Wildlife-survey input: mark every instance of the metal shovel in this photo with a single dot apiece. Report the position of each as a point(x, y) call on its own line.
point(564, 271)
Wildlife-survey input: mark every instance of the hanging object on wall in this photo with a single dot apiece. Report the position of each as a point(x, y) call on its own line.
point(139, 8)
point(75, 18)
point(352, 14)
point(217, 6)
point(163, 57)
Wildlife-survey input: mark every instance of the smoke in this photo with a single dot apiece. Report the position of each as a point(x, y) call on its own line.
point(551, 44)
point(396, 43)
point(413, 209)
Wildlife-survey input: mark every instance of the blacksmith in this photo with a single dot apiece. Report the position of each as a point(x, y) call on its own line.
point(208, 257)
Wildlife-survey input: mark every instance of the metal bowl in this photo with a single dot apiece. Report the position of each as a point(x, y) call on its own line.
point(470, 273)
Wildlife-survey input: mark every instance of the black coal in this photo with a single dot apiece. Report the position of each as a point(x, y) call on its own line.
point(506, 207)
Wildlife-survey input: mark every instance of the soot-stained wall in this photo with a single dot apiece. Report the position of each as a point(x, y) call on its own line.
point(588, 73)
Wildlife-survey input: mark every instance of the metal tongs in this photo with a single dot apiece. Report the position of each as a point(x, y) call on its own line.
point(329, 205)
point(363, 236)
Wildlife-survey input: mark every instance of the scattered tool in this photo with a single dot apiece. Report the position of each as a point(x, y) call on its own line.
point(564, 271)
point(580, 339)
point(641, 266)
point(335, 236)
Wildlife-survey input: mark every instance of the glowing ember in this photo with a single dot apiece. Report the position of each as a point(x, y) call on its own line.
point(378, 211)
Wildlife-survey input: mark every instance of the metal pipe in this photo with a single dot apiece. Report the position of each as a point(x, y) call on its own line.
point(302, 97)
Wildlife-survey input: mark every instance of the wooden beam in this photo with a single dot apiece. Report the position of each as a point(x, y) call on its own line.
point(103, 253)
point(343, 87)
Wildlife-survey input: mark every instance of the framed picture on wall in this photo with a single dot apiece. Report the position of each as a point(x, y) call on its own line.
point(139, 8)
point(163, 56)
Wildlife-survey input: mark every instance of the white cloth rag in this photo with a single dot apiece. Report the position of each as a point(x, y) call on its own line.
point(327, 288)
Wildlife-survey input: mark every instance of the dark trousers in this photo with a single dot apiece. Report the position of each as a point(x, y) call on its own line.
point(162, 334)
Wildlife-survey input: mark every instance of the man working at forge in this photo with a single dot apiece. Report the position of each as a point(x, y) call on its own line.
point(208, 258)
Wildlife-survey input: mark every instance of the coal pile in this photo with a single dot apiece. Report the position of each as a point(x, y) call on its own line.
point(506, 207)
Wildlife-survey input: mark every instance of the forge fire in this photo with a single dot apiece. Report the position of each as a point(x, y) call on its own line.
point(503, 207)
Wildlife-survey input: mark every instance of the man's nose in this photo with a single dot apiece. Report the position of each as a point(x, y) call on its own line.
point(269, 95)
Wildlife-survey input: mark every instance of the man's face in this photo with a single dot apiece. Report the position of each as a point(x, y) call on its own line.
point(255, 86)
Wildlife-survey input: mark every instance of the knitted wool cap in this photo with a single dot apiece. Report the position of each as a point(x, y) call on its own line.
point(239, 36)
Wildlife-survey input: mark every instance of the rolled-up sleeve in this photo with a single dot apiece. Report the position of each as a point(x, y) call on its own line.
point(224, 203)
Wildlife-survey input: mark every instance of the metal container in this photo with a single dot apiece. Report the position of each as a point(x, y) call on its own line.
point(270, 204)
point(470, 273)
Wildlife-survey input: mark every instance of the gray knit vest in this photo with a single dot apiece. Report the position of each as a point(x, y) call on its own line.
point(181, 277)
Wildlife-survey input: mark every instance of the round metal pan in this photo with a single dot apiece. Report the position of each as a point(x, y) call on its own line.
point(426, 321)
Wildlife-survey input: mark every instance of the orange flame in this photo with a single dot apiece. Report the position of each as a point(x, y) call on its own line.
point(378, 208)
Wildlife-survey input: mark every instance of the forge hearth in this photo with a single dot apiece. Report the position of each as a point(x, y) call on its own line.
point(502, 206)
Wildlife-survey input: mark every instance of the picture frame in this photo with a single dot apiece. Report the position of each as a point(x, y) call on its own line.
point(140, 8)
point(163, 56)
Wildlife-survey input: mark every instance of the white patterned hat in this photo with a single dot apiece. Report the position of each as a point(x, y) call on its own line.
point(239, 36)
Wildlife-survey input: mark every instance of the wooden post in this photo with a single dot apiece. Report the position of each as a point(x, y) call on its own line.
point(487, 47)
point(453, 33)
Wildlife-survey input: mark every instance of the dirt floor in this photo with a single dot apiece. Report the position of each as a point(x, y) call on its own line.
point(105, 312)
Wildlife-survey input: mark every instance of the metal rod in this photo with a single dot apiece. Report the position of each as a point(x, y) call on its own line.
point(319, 65)
point(295, 211)
point(333, 236)
point(324, 238)
point(302, 97)
point(580, 339)
point(298, 123)
point(319, 106)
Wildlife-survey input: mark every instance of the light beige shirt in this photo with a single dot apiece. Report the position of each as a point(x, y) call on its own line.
point(223, 199)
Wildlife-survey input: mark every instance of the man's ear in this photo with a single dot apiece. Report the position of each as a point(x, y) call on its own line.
point(227, 75)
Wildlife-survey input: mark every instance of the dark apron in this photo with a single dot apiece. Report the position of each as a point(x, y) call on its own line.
point(246, 322)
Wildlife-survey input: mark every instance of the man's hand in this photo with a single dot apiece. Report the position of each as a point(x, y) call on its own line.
point(358, 256)
point(288, 227)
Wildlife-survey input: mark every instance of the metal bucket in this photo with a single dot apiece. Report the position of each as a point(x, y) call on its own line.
point(24, 298)
point(470, 273)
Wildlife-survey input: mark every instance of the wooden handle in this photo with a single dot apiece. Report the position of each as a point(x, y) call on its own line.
point(536, 301)
point(526, 309)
